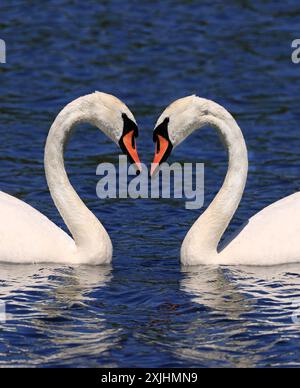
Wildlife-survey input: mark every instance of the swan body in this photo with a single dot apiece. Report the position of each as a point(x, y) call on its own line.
point(271, 237)
point(22, 222)
point(26, 235)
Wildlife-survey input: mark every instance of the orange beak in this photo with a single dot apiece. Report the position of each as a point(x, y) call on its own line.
point(162, 151)
point(131, 149)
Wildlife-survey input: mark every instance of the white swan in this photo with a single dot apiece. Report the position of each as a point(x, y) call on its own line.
point(271, 237)
point(27, 236)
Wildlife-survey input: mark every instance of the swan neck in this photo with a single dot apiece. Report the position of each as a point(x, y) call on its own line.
point(89, 235)
point(206, 233)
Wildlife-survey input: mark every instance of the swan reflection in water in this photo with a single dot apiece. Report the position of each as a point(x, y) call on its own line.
point(245, 310)
point(57, 309)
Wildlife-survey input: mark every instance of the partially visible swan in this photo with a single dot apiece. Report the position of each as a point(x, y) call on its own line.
point(271, 237)
point(26, 235)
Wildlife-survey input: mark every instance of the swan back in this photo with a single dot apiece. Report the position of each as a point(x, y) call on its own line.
point(32, 235)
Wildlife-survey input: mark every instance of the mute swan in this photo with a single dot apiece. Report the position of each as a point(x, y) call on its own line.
point(271, 237)
point(27, 236)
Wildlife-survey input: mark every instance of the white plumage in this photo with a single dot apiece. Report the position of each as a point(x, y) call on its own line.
point(26, 235)
point(271, 237)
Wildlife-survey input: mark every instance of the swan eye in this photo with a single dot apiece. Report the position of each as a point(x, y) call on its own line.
point(161, 133)
point(161, 129)
point(129, 125)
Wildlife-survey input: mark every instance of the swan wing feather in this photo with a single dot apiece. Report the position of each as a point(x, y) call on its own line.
point(270, 237)
point(26, 235)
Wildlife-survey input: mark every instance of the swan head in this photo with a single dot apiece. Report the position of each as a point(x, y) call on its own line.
point(118, 123)
point(175, 124)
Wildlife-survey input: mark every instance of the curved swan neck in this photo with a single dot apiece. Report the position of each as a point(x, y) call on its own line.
point(206, 233)
point(89, 235)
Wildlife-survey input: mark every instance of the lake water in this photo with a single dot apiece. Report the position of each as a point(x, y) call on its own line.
point(144, 310)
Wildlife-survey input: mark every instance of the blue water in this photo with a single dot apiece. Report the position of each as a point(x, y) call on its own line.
point(145, 311)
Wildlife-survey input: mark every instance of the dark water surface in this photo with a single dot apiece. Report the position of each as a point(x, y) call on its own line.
point(145, 310)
